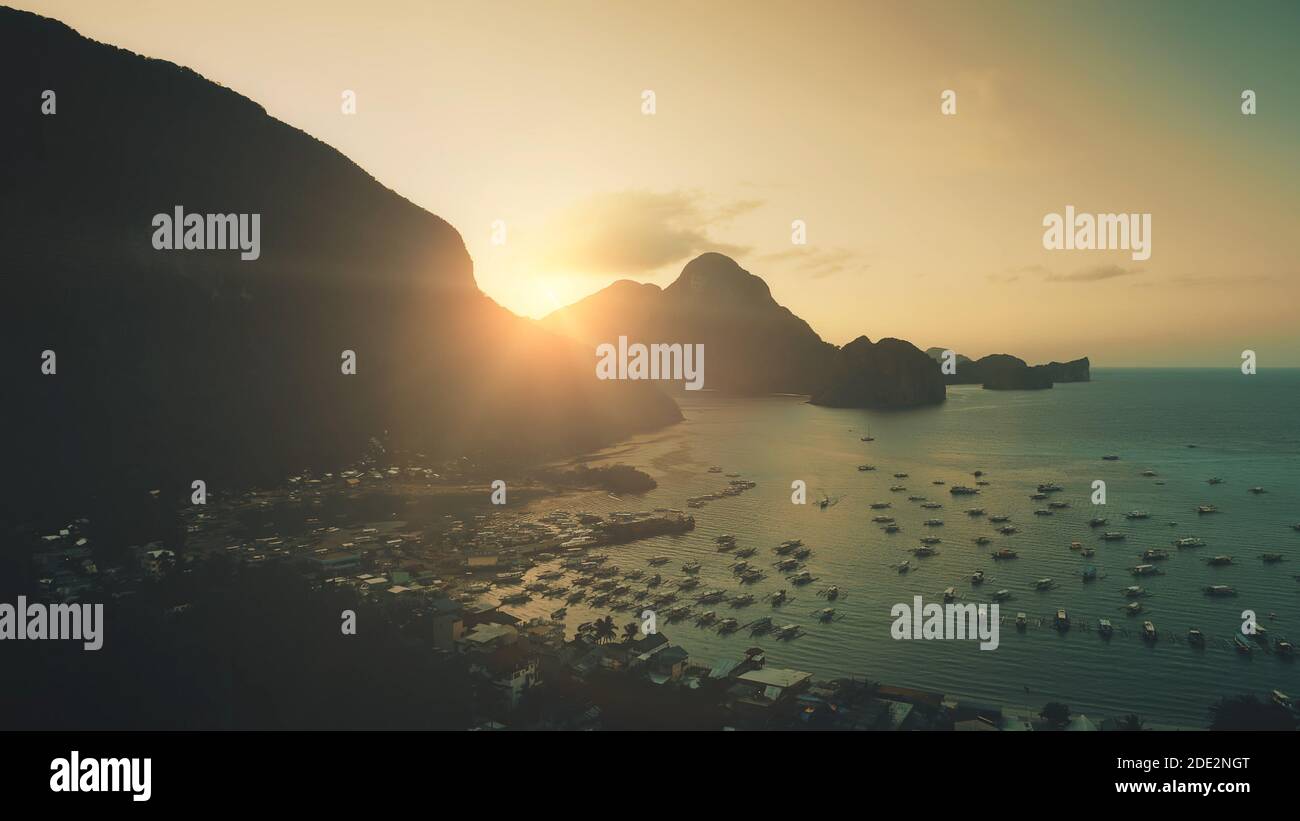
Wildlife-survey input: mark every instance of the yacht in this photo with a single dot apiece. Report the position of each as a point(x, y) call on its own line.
point(1134, 591)
point(898, 488)
point(1202, 509)
point(1148, 631)
point(1022, 621)
point(1044, 584)
point(1105, 628)
point(1257, 490)
point(1190, 541)
point(1195, 638)
point(975, 511)
point(1007, 530)
point(1005, 553)
point(923, 551)
point(1002, 595)
point(1062, 620)
point(999, 518)
point(1049, 487)
point(1145, 570)
point(1137, 514)
point(1219, 561)
point(1219, 590)
point(880, 505)
point(962, 490)
point(1133, 608)
point(866, 467)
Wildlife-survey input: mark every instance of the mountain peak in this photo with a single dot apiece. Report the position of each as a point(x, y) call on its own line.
point(719, 275)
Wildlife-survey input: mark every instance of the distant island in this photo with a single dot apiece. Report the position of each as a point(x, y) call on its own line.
point(614, 478)
point(1006, 372)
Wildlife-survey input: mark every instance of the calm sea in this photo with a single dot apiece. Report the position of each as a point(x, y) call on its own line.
point(1244, 429)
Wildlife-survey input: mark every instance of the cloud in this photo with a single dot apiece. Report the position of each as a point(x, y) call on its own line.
point(632, 232)
point(818, 263)
point(1095, 274)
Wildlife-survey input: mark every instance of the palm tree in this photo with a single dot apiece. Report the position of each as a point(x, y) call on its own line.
point(1131, 723)
point(630, 630)
point(604, 629)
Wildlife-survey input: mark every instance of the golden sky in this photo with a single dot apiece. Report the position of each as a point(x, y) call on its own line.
point(919, 225)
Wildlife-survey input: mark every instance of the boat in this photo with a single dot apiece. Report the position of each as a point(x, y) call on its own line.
point(977, 577)
point(892, 528)
point(866, 467)
point(932, 506)
point(746, 552)
point(706, 618)
point(1219, 561)
point(655, 561)
point(1154, 554)
point(1133, 608)
point(1219, 590)
point(931, 540)
point(1241, 646)
point(803, 553)
point(1007, 530)
point(715, 469)
point(923, 551)
point(691, 567)
point(1112, 536)
point(1076, 545)
point(743, 600)
point(689, 583)
point(1110, 457)
point(962, 490)
point(725, 538)
point(982, 540)
point(831, 593)
point(905, 566)
point(826, 614)
point(1058, 505)
point(950, 594)
point(900, 475)
point(516, 598)
point(1190, 541)
point(1042, 512)
point(1202, 509)
point(882, 520)
point(938, 482)
point(1062, 620)
point(1280, 698)
point(1089, 551)
point(1004, 553)
point(1105, 628)
point(1049, 487)
point(1137, 514)
point(1002, 595)
point(1271, 558)
point(779, 598)
point(1258, 490)
point(1195, 638)
point(711, 596)
point(898, 488)
point(751, 576)
point(802, 577)
point(1145, 570)
point(789, 631)
point(1022, 620)
point(1097, 521)
point(1149, 473)
point(1044, 584)
point(1285, 648)
point(728, 626)
point(916, 498)
point(787, 547)
point(787, 564)
point(1038, 497)
point(560, 613)
point(1215, 480)
point(975, 511)
point(999, 518)
point(1089, 573)
point(761, 625)
point(880, 505)
point(1149, 631)
point(1134, 591)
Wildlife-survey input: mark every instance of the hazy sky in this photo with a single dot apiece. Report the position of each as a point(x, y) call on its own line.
point(919, 225)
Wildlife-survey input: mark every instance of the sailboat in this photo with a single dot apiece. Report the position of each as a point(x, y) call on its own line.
point(868, 437)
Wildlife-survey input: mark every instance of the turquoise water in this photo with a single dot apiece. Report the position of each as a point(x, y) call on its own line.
point(1245, 429)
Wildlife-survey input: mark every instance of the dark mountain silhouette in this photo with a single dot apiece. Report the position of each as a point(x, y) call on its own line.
point(751, 344)
point(891, 373)
point(1007, 372)
point(176, 365)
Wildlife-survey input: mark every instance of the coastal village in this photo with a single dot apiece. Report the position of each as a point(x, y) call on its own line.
point(446, 576)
